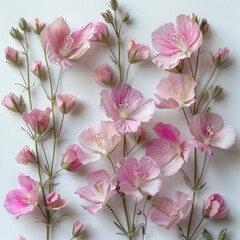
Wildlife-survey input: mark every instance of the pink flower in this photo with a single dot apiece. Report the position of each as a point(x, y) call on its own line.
point(209, 131)
point(220, 57)
point(37, 26)
point(38, 119)
point(98, 142)
point(78, 229)
point(13, 103)
point(103, 74)
point(176, 91)
point(21, 237)
point(64, 47)
point(167, 213)
point(24, 200)
point(136, 177)
point(25, 156)
point(65, 103)
point(214, 207)
point(71, 158)
point(126, 107)
point(38, 69)
point(137, 52)
point(11, 55)
point(55, 202)
point(98, 191)
point(101, 32)
point(169, 152)
point(176, 42)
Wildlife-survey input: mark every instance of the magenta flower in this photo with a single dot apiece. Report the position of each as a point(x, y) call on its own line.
point(214, 207)
point(103, 74)
point(78, 229)
point(169, 151)
point(167, 213)
point(220, 57)
point(176, 42)
point(176, 91)
point(126, 107)
point(209, 131)
point(98, 191)
point(55, 202)
point(38, 119)
point(65, 103)
point(25, 156)
point(136, 177)
point(11, 55)
point(98, 142)
point(101, 32)
point(137, 52)
point(13, 103)
point(24, 200)
point(38, 69)
point(64, 47)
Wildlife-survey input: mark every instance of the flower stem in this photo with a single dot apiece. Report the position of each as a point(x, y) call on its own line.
point(199, 224)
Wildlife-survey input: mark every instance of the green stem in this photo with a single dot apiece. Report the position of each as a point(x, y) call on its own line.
point(207, 105)
point(113, 54)
point(191, 214)
point(199, 224)
point(129, 65)
point(61, 124)
point(58, 81)
point(114, 170)
point(127, 218)
point(191, 68)
point(203, 168)
point(185, 115)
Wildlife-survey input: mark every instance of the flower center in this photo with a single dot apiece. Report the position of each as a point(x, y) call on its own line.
point(101, 143)
point(99, 187)
point(174, 211)
point(123, 109)
point(177, 39)
point(66, 50)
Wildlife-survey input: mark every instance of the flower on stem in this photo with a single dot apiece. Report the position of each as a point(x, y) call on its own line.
point(204, 26)
point(167, 213)
point(37, 119)
point(209, 131)
point(14, 32)
point(38, 69)
point(99, 190)
point(137, 52)
point(26, 156)
point(65, 103)
point(176, 42)
point(107, 16)
point(103, 74)
point(220, 57)
point(169, 151)
point(37, 26)
point(98, 142)
point(78, 229)
point(176, 91)
point(126, 107)
point(11, 56)
point(136, 177)
point(23, 200)
point(55, 202)
point(64, 47)
point(13, 103)
point(21, 237)
point(214, 207)
point(101, 33)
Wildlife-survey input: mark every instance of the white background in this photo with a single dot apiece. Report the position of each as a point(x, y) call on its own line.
point(223, 169)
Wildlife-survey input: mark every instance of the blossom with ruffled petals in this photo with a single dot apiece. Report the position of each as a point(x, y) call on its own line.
point(98, 142)
point(167, 213)
point(13, 103)
point(209, 131)
point(169, 151)
point(55, 202)
point(103, 74)
point(26, 156)
point(65, 102)
point(126, 107)
point(23, 200)
point(136, 177)
point(137, 52)
point(64, 47)
point(98, 191)
point(176, 42)
point(176, 91)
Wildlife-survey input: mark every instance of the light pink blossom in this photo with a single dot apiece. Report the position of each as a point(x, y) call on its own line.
point(137, 52)
point(101, 32)
point(65, 103)
point(176, 91)
point(126, 107)
point(23, 200)
point(98, 191)
point(98, 142)
point(209, 131)
point(26, 156)
point(167, 213)
point(214, 207)
point(176, 42)
point(103, 74)
point(38, 119)
point(38, 69)
point(21, 237)
point(64, 47)
point(220, 57)
point(136, 177)
point(13, 103)
point(169, 151)
point(55, 202)
point(11, 55)
point(78, 229)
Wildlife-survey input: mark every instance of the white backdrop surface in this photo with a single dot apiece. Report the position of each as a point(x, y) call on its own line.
point(223, 170)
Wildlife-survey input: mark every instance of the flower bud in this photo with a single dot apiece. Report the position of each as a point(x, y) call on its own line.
point(220, 57)
point(140, 135)
point(195, 18)
point(23, 25)
point(11, 55)
point(25, 156)
point(206, 235)
point(14, 32)
point(114, 4)
point(103, 74)
point(101, 33)
point(107, 16)
point(21, 237)
point(37, 26)
point(65, 103)
point(77, 229)
point(222, 235)
point(55, 202)
point(204, 26)
point(215, 92)
point(38, 69)
point(13, 103)
point(125, 17)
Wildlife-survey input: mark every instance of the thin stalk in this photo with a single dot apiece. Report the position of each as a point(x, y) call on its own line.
point(134, 214)
point(145, 219)
point(203, 168)
point(199, 224)
point(191, 68)
point(114, 170)
point(127, 218)
point(207, 105)
point(113, 54)
point(129, 65)
point(186, 176)
point(61, 124)
point(58, 81)
point(20, 71)
point(185, 115)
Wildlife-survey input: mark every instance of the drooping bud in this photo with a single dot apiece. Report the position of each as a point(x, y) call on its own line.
point(12, 56)
point(65, 103)
point(222, 235)
point(107, 16)
point(13, 103)
point(77, 229)
point(23, 25)
point(14, 32)
point(26, 156)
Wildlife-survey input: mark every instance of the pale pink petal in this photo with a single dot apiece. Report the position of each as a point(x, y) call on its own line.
point(167, 132)
point(173, 166)
point(185, 202)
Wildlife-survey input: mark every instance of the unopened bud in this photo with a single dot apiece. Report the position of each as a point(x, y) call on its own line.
point(195, 18)
point(23, 25)
point(37, 26)
point(204, 26)
point(206, 235)
point(215, 92)
point(14, 32)
point(114, 4)
point(140, 135)
point(78, 229)
point(222, 235)
point(220, 57)
point(107, 16)
point(125, 17)
point(139, 212)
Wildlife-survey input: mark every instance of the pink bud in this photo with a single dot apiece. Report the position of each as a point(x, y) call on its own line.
point(13, 103)
point(140, 135)
point(21, 237)
point(55, 202)
point(101, 32)
point(220, 57)
point(11, 55)
point(103, 74)
point(37, 26)
point(78, 229)
point(38, 69)
point(137, 52)
point(25, 156)
point(65, 103)
point(214, 207)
